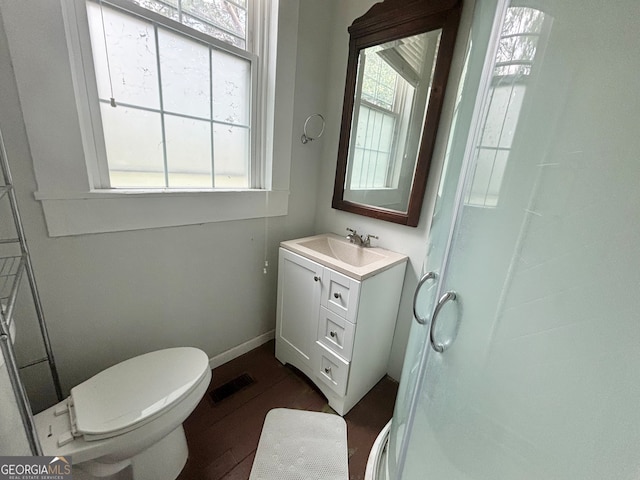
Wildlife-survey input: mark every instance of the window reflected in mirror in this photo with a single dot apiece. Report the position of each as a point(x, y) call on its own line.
point(522, 38)
point(392, 92)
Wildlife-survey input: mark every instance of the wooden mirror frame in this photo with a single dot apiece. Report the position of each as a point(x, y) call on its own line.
point(384, 22)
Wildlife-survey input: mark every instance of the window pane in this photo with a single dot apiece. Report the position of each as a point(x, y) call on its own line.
point(499, 166)
point(387, 130)
point(373, 149)
point(131, 55)
point(220, 13)
point(494, 121)
point(166, 8)
point(134, 147)
point(223, 20)
point(188, 152)
point(356, 169)
point(379, 81)
point(487, 177)
point(519, 42)
point(184, 67)
point(379, 174)
point(231, 88)
point(231, 156)
point(512, 115)
point(213, 31)
point(502, 115)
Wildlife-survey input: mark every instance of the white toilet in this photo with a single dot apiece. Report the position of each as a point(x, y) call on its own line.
point(126, 421)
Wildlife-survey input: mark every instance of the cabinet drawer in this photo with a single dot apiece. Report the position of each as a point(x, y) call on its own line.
point(331, 369)
point(335, 333)
point(340, 294)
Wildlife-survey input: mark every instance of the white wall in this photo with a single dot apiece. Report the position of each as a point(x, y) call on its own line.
point(111, 296)
point(408, 240)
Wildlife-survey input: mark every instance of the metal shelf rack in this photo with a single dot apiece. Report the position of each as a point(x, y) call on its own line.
point(12, 269)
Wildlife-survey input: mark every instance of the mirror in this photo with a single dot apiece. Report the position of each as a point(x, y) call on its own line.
point(399, 58)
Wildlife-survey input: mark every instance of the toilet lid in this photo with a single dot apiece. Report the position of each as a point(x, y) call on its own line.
point(132, 392)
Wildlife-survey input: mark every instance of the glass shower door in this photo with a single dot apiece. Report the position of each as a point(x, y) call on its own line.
point(533, 368)
point(441, 223)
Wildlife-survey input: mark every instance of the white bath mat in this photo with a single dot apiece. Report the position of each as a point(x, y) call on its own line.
point(300, 445)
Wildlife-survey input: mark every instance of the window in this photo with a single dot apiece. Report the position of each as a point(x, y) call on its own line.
point(62, 117)
point(176, 91)
point(394, 84)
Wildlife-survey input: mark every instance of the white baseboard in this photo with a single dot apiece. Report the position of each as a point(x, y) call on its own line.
point(241, 349)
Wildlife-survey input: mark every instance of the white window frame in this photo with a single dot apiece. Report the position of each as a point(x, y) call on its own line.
point(53, 93)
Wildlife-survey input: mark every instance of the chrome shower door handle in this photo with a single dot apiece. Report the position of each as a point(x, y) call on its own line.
point(450, 295)
point(425, 277)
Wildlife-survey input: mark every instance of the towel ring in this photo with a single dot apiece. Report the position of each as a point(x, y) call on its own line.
point(305, 137)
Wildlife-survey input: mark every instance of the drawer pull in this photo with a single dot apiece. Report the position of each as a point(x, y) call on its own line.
point(327, 370)
point(316, 278)
point(333, 334)
point(337, 295)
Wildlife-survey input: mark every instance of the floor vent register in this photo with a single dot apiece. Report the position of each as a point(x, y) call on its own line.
point(218, 394)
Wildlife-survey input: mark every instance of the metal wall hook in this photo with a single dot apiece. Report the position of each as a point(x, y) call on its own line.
point(305, 138)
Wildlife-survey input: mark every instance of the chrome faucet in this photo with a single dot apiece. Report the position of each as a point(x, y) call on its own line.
point(367, 240)
point(354, 237)
point(358, 239)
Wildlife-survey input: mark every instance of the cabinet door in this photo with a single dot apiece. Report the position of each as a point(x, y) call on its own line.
point(299, 283)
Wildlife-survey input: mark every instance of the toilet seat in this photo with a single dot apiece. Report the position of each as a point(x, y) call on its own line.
point(134, 392)
point(143, 434)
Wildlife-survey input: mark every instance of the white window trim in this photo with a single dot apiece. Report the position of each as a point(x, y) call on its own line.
point(64, 157)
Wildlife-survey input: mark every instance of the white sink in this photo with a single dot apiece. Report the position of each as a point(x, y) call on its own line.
point(342, 251)
point(336, 252)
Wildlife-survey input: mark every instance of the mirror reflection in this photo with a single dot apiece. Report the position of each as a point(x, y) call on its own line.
point(392, 92)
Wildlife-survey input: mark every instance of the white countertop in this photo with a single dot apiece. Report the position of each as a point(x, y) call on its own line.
point(336, 252)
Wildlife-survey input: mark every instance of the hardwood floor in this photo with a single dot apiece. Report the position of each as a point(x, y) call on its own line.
point(223, 436)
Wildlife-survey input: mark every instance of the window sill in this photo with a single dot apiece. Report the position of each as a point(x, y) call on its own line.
point(99, 211)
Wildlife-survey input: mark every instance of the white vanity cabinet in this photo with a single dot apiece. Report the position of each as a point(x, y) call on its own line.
point(334, 328)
